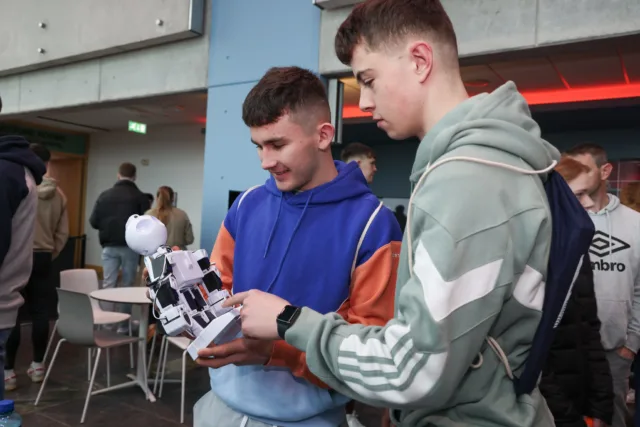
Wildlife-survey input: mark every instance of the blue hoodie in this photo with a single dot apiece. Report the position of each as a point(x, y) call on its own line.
point(302, 246)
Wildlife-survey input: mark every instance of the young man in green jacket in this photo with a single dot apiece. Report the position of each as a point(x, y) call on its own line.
point(473, 265)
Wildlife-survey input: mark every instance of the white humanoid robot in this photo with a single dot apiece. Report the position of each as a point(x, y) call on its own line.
point(184, 286)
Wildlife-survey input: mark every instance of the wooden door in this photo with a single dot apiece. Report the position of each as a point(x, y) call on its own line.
point(69, 172)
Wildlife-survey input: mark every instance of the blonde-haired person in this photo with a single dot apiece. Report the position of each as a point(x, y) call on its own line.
point(630, 196)
point(179, 229)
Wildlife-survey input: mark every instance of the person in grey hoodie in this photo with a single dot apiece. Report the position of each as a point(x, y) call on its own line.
point(21, 172)
point(51, 234)
point(615, 259)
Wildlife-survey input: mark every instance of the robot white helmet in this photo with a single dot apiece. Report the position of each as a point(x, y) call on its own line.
point(145, 234)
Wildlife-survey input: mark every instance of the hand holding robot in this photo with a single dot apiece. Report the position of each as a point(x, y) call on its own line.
point(184, 286)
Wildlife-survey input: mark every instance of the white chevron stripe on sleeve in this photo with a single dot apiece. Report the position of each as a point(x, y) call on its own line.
point(529, 289)
point(441, 297)
point(375, 372)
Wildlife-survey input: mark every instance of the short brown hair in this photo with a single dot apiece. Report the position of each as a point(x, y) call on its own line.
point(356, 149)
point(380, 22)
point(127, 170)
point(284, 90)
point(41, 151)
point(597, 152)
point(570, 168)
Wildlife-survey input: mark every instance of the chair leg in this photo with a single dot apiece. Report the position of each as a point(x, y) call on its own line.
point(108, 369)
point(184, 366)
point(89, 357)
point(164, 366)
point(53, 334)
point(93, 377)
point(131, 345)
point(163, 344)
point(46, 377)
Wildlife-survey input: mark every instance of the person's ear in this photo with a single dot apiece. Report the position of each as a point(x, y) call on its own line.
point(326, 131)
point(605, 171)
point(421, 57)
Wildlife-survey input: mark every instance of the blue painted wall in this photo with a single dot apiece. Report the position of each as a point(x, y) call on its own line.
point(243, 46)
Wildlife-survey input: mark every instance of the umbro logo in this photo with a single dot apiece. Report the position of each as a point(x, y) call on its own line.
point(600, 245)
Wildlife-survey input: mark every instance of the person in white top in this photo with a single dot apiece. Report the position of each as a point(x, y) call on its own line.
point(615, 259)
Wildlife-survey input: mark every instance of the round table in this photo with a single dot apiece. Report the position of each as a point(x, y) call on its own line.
point(136, 295)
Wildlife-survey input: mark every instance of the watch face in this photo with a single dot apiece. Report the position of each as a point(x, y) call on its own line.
point(287, 314)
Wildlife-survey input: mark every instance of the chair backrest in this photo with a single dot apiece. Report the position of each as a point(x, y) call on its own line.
point(75, 321)
point(84, 280)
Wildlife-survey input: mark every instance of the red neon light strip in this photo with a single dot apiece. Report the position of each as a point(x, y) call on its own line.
point(543, 97)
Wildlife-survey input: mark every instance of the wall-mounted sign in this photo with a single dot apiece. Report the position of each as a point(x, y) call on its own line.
point(137, 127)
point(55, 141)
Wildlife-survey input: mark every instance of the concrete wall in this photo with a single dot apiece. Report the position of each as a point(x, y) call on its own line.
point(493, 26)
point(243, 47)
point(175, 155)
point(168, 68)
point(35, 34)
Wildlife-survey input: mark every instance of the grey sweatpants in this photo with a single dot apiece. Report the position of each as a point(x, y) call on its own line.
point(620, 372)
point(210, 411)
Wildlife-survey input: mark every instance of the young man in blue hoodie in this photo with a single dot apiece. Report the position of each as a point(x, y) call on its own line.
point(21, 171)
point(473, 272)
point(314, 233)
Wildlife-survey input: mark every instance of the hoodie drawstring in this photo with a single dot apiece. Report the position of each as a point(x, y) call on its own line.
point(490, 340)
point(286, 250)
point(606, 214)
point(273, 229)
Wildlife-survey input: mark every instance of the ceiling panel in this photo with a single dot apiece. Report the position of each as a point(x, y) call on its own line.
point(590, 69)
point(632, 64)
point(529, 74)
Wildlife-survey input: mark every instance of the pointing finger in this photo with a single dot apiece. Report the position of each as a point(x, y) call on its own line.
point(235, 299)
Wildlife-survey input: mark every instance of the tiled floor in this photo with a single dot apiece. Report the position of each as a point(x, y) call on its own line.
point(63, 397)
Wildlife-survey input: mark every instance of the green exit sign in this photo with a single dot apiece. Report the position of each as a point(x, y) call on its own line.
point(137, 127)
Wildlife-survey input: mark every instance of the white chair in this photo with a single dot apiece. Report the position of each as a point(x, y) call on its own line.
point(85, 280)
point(182, 343)
point(76, 326)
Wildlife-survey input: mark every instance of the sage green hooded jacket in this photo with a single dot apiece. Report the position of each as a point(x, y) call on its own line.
point(470, 284)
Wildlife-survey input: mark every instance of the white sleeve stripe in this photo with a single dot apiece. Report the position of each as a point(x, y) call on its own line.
point(392, 368)
point(529, 289)
point(444, 297)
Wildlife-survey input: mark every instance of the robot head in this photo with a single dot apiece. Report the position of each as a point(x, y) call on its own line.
point(145, 234)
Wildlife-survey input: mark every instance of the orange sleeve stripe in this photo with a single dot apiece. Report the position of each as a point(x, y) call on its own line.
point(371, 302)
point(373, 287)
point(222, 256)
point(286, 355)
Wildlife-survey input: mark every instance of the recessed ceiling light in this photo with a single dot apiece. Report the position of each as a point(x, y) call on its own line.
point(476, 83)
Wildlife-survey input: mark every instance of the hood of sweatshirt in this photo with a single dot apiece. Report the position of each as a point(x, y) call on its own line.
point(499, 120)
point(15, 149)
point(47, 188)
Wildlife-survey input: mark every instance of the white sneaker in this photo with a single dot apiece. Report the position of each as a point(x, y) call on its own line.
point(352, 420)
point(10, 380)
point(36, 372)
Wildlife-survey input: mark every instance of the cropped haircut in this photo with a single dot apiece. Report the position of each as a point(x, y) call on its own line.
point(379, 23)
point(594, 150)
point(285, 90)
point(356, 149)
point(127, 170)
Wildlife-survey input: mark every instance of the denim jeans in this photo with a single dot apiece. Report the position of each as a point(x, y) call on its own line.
point(4, 335)
point(115, 258)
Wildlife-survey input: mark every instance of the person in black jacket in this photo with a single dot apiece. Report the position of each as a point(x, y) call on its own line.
point(576, 381)
point(110, 214)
